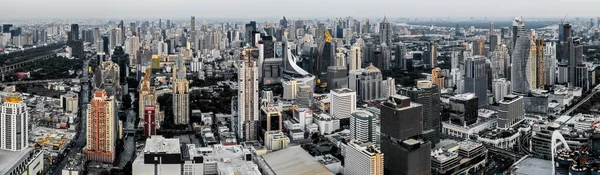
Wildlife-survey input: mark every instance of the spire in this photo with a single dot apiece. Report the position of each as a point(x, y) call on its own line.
point(385, 18)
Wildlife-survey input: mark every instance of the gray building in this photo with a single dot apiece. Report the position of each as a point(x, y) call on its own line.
point(520, 57)
point(511, 111)
point(405, 153)
point(369, 84)
point(428, 96)
point(476, 79)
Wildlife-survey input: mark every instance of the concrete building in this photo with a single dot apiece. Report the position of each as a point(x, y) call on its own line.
point(463, 109)
point(14, 122)
point(500, 88)
point(363, 158)
point(520, 57)
point(276, 140)
point(367, 83)
point(24, 162)
point(343, 103)
point(401, 127)
point(362, 126)
point(476, 79)
point(511, 111)
point(101, 128)
point(437, 78)
point(181, 94)
point(326, 123)
point(458, 158)
point(355, 60)
point(246, 124)
point(166, 156)
point(388, 87)
point(428, 95)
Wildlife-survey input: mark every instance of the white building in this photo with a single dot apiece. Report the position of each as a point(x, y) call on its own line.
point(343, 103)
point(290, 89)
point(362, 126)
point(14, 119)
point(326, 123)
point(355, 60)
point(276, 140)
point(500, 88)
point(248, 98)
point(388, 87)
point(363, 158)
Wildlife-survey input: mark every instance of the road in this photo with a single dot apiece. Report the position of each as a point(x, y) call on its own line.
point(594, 91)
point(80, 140)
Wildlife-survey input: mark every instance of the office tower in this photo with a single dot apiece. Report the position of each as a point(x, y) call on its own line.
point(107, 77)
point(74, 35)
point(550, 63)
point(355, 57)
point(385, 32)
point(540, 69)
point(343, 103)
point(148, 106)
point(430, 57)
point(367, 82)
point(463, 109)
point(131, 48)
point(181, 106)
point(457, 30)
point(273, 118)
point(362, 125)
point(101, 128)
point(574, 51)
point(476, 79)
point(269, 46)
point(511, 111)
point(14, 122)
point(248, 97)
point(368, 52)
point(520, 57)
point(250, 29)
point(531, 74)
point(388, 87)
point(491, 32)
point(501, 87)
point(401, 127)
point(428, 95)
point(478, 46)
point(100, 46)
point(383, 57)
point(500, 59)
point(325, 57)
point(581, 77)
point(495, 41)
point(437, 78)
point(400, 56)
point(121, 30)
point(6, 28)
point(337, 77)
point(363, 158)
point(193, 36)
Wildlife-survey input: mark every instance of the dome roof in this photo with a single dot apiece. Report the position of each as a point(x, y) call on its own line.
point(372, 68)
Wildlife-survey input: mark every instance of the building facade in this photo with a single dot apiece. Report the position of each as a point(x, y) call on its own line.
point(14, 122)
point(101, 128)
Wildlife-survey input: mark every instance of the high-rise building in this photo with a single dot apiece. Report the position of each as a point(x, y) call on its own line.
point(385, 32)
point(437, 78)
point(511, 111)
point(550, 63)
point(181, 106)
point(248, 110)
point(400, 56)
point(463, 109)
point(495, 41)
point(101, 128)
point(343, 103)
point(388, 87)
point(14, 122)
point(500, 88)
point(520, 57)
point(478, 46)
point(430, 57)
point(74, 35)
point(476, 79)
point(428, 95)
point(368, 83)
point(500, 60)
point(491, 32)
point(574, 51)
point(148, 106)
point(531, 74)
point(355, 58)
point(363, 158)
point(362, 126)
point(540, 63)
point(401, 127)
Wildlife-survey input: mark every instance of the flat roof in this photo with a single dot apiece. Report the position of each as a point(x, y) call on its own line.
point(294, 160)
point(532, 165)
point(158, 143)
point(11, 158)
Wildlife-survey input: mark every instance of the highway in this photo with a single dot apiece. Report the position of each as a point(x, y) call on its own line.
point(37, 81)
point(594, 91)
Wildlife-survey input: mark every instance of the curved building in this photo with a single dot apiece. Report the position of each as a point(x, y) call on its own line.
point(292, 71)
point(520, 57)
point(361, 126)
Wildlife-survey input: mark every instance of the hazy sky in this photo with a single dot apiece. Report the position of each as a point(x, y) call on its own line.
point(248, 9)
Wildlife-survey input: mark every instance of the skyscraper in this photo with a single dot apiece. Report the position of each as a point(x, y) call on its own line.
point(362, 125)
point(14, 122)
point(74, 35)
point(401, 127)
point(531, 73)
point(369, 83)
point(355, 57)
point(476, 79)
point(181, 106)
point(574, 51)
point(400, 56)
point(437, 78)
point(428, 95)
point(500, 88)
point(540, 63)
point(343, 103)
point(101, 128)
point(363, 158)
point(248, 110)
point(431, 56)
point(511, 111)
point(463, 109)
point(385, 32)
point(550, 63)
point(520, 57)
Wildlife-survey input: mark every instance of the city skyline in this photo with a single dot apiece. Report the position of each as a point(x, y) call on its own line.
point(237, 9)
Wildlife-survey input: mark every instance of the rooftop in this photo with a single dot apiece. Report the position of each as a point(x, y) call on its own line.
point(159, 144)
point(11, 158)
point(532, 165)
point(294, 160)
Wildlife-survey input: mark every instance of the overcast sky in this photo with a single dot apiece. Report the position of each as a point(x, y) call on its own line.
point(247, 9)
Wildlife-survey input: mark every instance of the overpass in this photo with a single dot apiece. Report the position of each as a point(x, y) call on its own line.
point(11, 67)
point(40, 81)
point(584, 100)
point(503, 153)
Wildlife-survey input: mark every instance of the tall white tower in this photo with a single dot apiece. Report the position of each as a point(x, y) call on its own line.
point(14, 119)
point(247, 97)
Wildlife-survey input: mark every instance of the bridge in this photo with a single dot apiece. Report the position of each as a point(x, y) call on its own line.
point(11, 67)
point(40, 81)
point(503, 153)
point(584, 100)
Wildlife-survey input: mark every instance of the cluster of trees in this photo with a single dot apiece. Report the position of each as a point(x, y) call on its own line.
point(52, 68)
point(406, 78)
